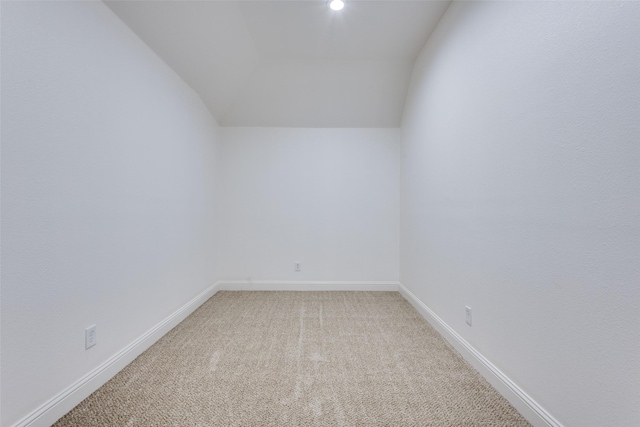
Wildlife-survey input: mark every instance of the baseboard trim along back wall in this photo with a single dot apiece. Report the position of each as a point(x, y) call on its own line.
point(52, 410)
point(290, 285)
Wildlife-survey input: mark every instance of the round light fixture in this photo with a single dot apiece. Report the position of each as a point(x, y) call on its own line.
point(336, 4)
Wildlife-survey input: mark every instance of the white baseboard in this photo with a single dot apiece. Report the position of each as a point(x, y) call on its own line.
point(529, 408)
point(284, 285)
point(63, 402)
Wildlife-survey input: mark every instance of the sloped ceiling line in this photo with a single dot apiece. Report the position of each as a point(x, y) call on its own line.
point(290, 63)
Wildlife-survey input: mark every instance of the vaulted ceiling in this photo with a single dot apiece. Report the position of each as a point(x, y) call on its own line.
point(290, 63)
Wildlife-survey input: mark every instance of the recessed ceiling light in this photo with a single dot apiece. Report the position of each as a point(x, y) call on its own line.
point(336, 4)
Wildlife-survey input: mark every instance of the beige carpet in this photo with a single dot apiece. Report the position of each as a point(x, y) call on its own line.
point(298, 359)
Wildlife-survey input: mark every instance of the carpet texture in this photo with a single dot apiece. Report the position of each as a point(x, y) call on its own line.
point(298, 359)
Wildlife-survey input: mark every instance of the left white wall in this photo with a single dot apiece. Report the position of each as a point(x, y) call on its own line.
point(108, 195)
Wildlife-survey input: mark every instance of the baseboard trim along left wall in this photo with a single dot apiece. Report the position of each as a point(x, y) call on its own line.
point(63, 402)
point(284, 285)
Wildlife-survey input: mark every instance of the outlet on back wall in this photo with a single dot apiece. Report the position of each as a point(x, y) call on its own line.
point(297, 266)
point(467, 311)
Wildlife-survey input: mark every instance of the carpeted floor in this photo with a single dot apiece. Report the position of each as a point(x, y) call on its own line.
point(298, 359)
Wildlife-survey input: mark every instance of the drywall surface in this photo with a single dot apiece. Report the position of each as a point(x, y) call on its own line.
point(327, 198)
point(108, 194)
point(520, 196)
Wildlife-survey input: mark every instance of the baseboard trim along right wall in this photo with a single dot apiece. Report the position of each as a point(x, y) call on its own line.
point(519, 200)
point(529, 408)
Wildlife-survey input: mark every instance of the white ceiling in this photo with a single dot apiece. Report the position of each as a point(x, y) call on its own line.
point(290, 63)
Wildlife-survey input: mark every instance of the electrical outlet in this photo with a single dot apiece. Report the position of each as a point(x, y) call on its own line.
point(297, 266)
point(467, 311)
point(90, 337)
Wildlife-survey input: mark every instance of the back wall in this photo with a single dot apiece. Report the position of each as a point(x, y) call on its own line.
point(328, 198)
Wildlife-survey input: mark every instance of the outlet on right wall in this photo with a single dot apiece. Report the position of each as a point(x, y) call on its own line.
point(520, 196)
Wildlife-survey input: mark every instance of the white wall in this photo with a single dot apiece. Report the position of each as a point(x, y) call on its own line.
point(328, 198)
point(520, 196)
point(108, 194)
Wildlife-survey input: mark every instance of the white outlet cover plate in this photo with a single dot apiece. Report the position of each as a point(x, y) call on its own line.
point(90, 337)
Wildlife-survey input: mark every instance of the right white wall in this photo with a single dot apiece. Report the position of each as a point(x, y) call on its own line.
point(520, 196)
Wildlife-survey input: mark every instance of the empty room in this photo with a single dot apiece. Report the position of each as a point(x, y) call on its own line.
point(320, 213)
